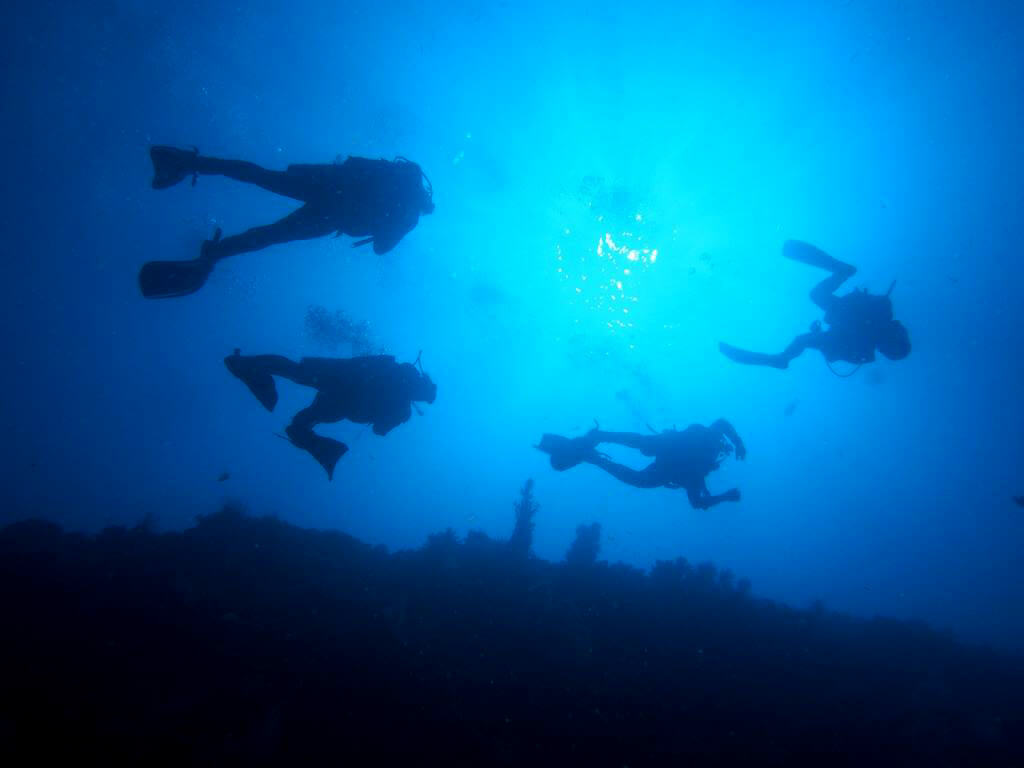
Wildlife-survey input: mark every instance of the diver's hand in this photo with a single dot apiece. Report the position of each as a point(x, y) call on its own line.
point(741, 451)
point(733, 494)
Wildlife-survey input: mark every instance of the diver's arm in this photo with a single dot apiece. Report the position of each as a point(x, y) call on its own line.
point(696, 498)
point(384, 243)
point(725, 428)
point(704, 499)
point(388, 238)
point(733, 494)
point(399, 416)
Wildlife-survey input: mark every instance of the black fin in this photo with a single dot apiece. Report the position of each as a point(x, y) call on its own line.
point(169, 279)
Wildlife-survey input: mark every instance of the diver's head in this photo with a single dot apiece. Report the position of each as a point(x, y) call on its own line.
point(416, 176)
point(423, 389)
point(418, 385)
point(894, 341)
point(426, 195)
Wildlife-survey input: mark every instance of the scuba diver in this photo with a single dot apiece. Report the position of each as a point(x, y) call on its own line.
point(682, 459)
point(378, 200)
point(859, 322)
point(366, 390)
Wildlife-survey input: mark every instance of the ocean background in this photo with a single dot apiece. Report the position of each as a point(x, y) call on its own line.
point(559, 138)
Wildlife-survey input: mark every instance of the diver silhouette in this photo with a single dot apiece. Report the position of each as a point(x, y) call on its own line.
point(378, 200)
point(682, 459)
point(859, 322)
point(366, 390)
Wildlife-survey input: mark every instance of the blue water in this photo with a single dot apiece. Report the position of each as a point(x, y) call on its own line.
point(559, 140)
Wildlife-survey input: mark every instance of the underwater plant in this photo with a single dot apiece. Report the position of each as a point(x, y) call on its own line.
point(585, 546)
point(526, 508)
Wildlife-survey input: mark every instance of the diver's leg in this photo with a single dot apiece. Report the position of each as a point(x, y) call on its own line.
point(701, 498)
point(797, 346)
point(733, 494)
point(325, 450)
point(806, 253)
point(305, 223)
point(746, 357)
point(303, 423)
point(294, 185)
point(696, 497)
point(780, 360)
point(172, 166)
point(707, 501)
point(644, 478)
point(646, 444)
point(822, 293)
point(302, 373)
point(274, 365)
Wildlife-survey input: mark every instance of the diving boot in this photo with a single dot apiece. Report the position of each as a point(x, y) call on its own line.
point(169, 279)
point(259, 382)
point(172, 165)
point(567, 452)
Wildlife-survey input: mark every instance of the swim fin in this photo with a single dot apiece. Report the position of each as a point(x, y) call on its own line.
point(752, 358)
point(259, 382)
point(169, 279)
point(325, 450)
point(815, 257)
point(566, 452)
point(172, 165)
